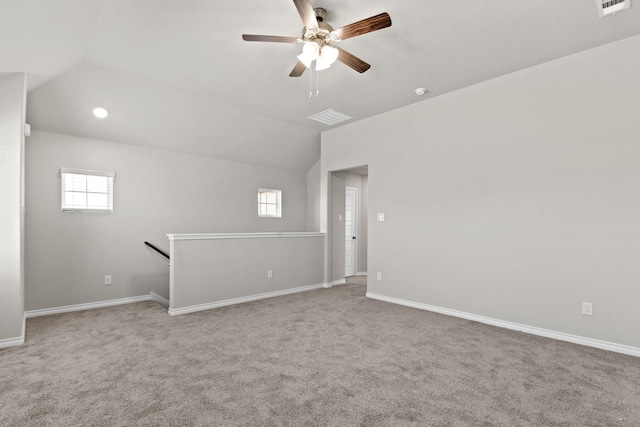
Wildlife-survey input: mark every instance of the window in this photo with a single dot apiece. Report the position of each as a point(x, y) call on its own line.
point(269, 203)
point(87, 191)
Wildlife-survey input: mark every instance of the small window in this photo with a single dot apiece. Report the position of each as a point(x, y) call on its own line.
point(87, 191)
point(269, 203)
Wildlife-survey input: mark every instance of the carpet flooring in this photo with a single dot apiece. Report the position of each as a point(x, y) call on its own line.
point(329, 357)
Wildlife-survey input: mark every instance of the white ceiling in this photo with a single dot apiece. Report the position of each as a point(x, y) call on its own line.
point(176, 74)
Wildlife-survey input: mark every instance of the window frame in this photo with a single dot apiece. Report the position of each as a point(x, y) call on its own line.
point(278, 203)
point(68, 207)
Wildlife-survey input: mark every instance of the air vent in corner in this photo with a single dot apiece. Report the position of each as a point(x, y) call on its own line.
point(609, 7)
point(330, 117)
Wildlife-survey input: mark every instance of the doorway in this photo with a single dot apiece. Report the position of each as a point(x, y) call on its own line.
point(350, 231)
point(347, 226)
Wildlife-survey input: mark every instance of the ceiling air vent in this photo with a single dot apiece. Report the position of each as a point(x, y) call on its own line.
point(330, 117)
point(609, 7)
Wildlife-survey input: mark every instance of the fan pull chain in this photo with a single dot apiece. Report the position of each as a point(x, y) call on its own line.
point(311, 83)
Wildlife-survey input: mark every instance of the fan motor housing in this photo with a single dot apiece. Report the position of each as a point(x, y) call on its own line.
point(321, 14)
point(322, 35)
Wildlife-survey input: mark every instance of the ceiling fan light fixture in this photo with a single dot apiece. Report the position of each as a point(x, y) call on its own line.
point(328, 56)
point(322, 64)
point(310, 52)
point(318, 35)
point(306, 61)
point(331, 53)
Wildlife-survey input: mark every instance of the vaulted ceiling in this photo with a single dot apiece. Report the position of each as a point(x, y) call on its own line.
point(176, 74)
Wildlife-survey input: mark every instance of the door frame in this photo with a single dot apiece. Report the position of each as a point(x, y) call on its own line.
point(357, 230)
point(328, 222)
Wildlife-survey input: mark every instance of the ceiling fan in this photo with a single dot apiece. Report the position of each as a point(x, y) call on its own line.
point(319, 39)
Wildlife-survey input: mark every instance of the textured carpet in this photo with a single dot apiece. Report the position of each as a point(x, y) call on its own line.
point(329, 357)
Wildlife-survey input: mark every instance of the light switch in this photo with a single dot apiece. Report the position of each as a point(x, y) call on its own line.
point(380, 217)
point(339, 217)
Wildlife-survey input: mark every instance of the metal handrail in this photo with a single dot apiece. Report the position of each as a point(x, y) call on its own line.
point(160, 251)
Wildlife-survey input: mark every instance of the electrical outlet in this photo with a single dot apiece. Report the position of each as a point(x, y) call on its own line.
point(587, 308)
point(379, 276)
point(107, 279)
point(269, 274)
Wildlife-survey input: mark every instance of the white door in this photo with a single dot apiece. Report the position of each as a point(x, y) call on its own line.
point(350, 228)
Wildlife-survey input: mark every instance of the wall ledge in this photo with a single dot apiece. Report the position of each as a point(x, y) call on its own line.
point(266, 235)
point(240, 300)
point(547, 333)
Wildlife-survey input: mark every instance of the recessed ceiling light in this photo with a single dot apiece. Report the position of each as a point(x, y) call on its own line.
point(100, 112)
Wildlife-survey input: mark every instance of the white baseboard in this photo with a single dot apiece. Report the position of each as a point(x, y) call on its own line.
point(86, 306)
point(576, 339)
point(233, 301)
point(334, 283)
point(12, 342)
point(160, 300)
point(361, 273)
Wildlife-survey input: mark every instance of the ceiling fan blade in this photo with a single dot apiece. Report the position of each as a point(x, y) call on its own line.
point(277, 39)
point(352, 61)
point(298, 70)
point(305, 9)
point(365, 26)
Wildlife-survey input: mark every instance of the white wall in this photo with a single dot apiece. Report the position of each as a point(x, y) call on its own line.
point(515, 199)
point(12, 112)
point(156, 193)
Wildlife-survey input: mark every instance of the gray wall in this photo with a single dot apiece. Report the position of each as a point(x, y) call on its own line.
point(515, 199)
point(313, 198)
point(156, 193)
point(211, 271)
point(12, 109)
